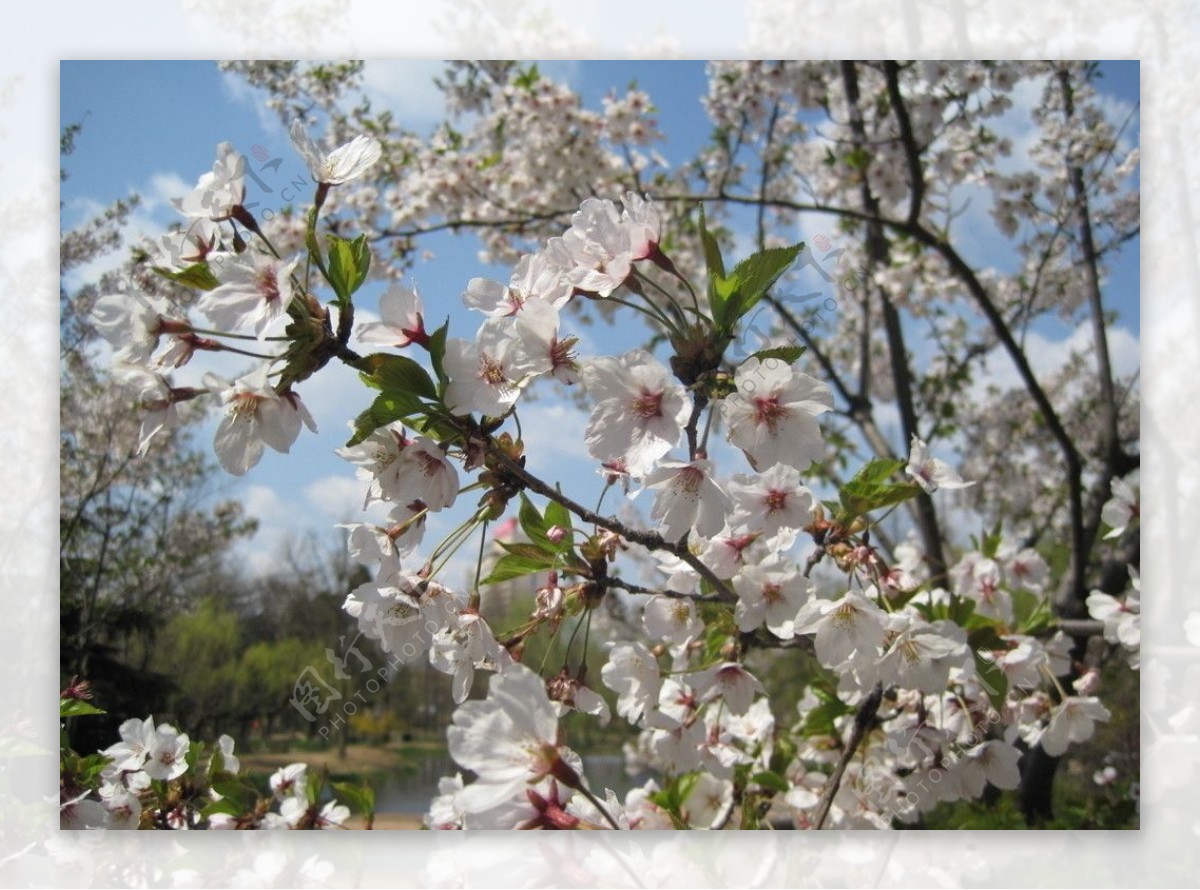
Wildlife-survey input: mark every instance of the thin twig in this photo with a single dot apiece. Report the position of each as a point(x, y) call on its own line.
point(862, 722)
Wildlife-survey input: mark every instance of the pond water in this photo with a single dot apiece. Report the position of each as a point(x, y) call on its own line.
point(411, 790)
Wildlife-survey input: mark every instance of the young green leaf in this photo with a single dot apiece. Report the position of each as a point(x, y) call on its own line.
point(870, 489)
point(398, 374)
point(349, 262)
point(787, 354)
point(387, 408)
point(359, 797)
point(991, 678)
point(512, 565)
point(437, 353)
point(757, 274)
point(197, 275)
point(75, 707)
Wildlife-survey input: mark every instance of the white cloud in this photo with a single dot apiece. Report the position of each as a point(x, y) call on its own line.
point(164, 187)
point(339, 499)
point(259, 555)
point(1047, 356)
point(240, 92)
point(406, 88)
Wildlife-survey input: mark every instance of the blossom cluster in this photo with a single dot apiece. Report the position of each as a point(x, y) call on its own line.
point(951, 674)
point(156, 777)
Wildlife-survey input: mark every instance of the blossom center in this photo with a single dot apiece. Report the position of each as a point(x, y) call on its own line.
point(491, 371)
point(844, 617)
point(776, 501)
point(268, 285)
point(648, 405)
point(245, 404)
point(688, 480)
point(768, 411)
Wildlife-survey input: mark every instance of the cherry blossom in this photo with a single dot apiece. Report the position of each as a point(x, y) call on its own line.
point(218, 193)
point(154, 398)
point(133, 324)
point(598, 243)
point(129, 754)
point(671, 620)
point(770, 592)
point(772, 415)
point(166, 758)
point(401, 320)
point(723, 549)
point(632, 672)
point(639, 412)
point(687, 498)
point(772, 501)
point(252, 294)
point(850, 627)
point(929, 472)
point(709, 801)
point(1072, 721)
point(731, 682)
point(256, 416)
point(537, 278)
point(921, 658)
point(509, 740)
point(487, 374)
point(1120, 509)
point(347, 162)
point(290, 781)
point(403, 470)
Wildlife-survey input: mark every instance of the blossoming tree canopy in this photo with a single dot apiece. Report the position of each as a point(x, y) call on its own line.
point(757, 530)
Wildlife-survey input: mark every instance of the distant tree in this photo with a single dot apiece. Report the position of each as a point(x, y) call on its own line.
point(138, 535)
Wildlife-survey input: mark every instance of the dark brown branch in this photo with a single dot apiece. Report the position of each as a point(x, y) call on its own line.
point(649, 540)
point(878, 255)
point(916, 177)
point(863, 719)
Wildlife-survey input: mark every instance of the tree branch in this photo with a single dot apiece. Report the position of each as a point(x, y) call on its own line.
point(649, 540)
point(863, 719)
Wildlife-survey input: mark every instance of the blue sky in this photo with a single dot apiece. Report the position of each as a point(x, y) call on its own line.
point(151, 128)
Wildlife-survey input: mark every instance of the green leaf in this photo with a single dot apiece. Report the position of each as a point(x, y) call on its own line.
point(820, 720)
point(236, 792)
point(75, 707)
point(536, 526)
point(1031, 612)
point(991, 542)
point(757, 274)
point(773, 781)
point(787, 354)
point(359, 797)
point(531, 520)
point(716, 271)
point(193, 754)
point(532, 551)
point(387, 408)
point(216, 765)
point(437, 352)
point(225, 807)
point(993, 680)
point(90, 767)
point(528, 78)
point(514, 565)
point(398, 374)
point(197, 275)
point(870, 489)
point(858, 158)
point(349, 262)
point(712, 252)
point(557, 514)
point(671, 798)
